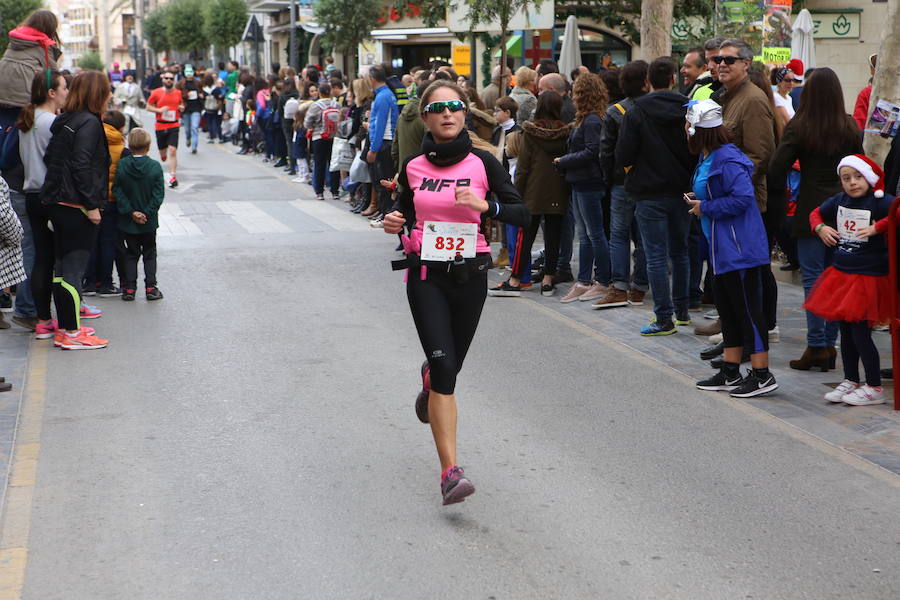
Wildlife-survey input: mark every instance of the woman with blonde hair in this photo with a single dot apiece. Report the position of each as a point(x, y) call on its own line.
point(585, 176)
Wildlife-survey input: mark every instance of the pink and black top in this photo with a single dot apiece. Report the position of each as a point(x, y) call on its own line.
point(428, 181)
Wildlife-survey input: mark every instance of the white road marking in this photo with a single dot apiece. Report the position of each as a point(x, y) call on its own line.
point(333, 216)
point(173, 221)
point(252, 218)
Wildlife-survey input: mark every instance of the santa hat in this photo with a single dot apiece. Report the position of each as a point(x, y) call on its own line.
point(796, 65)
point(868, 169)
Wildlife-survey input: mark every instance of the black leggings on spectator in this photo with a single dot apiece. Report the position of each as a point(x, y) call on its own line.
point(739, 298)
point(552, 232)
point(74, 236)
point(41, 279)
point(446, 315)
point(857, 345)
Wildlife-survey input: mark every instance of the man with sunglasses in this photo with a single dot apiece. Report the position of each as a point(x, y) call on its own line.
point(168, 103)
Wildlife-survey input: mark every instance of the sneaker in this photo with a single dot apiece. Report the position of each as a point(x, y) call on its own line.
point(193, 151)
point(60, 335)
point(708, 330)
point(655, 328)
point(774, 335)
point(83, 341)
point(377, 223)
point(836, 396)
point(716, 339)
point(712, 315)
point(562, 277)
point(720, 382)
point(28, 323)
point(575, 292)
point(865, 395)
point(712, 352)
point(751, 386)
point(505, 290)
point(335, 196)
point(682, 319)
point(422, 398)
point(108, 292)
point(595, 292)
point(548, 290)
point(90, 312)
point(454, 486)
point(636, 297)
point(45, 331)
point(173, 182)
point(128, 295)
point(612, 299)
point(89, 291)
point(153, 293)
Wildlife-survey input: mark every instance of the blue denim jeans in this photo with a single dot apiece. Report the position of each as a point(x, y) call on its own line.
point(190, 122)
point(24, 298)
point(815, 257)
point(623, 229)
point(698, 249)
point(593, 247)
point(566, 242)
point(664, 224)
point(512, 240)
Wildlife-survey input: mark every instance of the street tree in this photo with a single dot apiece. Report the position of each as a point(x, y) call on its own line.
point(185, 27)
point(91, 61)
point(13, 12)
point(656, 28)
point(498, 12)
point(156, 29)
point(886, 84)
point(347, 22)
point(225, 21)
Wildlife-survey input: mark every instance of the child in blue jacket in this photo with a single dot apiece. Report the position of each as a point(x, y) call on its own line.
point(724, 199)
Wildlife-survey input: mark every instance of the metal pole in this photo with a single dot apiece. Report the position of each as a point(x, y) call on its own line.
point(293, 59)
point(473, 62)
point(139, 32)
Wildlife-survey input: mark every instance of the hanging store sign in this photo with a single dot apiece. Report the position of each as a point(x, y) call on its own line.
point(836, 25)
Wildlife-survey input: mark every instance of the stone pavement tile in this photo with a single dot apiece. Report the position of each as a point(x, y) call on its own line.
point(871, 432)
point(14, 347)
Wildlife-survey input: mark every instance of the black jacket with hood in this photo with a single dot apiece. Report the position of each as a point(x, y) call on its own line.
point(582, 162)
point(652, 147)
point(77, 160)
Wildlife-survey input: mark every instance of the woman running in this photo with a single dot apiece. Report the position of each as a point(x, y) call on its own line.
point(445, 193)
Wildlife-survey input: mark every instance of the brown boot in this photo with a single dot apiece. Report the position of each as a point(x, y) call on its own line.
point(373, 208)
point(711, 329)
point(813, 358)
point(832, 357)
point(502, 259)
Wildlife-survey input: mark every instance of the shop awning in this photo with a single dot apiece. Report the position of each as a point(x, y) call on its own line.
point(513, 46)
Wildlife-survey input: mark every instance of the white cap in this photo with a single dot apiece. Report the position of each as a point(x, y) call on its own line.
point(705, 114)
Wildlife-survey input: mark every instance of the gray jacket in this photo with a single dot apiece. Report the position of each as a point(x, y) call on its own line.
point(527, 103)
point(21, 61)
point(313, 121)
point(32, 147)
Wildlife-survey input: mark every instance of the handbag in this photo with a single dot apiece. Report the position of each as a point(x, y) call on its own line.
point(342, 155)
point(359, 170)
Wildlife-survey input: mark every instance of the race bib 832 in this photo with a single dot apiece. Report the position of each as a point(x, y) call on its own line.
point(443, 241)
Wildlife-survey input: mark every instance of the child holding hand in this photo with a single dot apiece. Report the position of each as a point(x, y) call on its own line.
point(139, 190)
point(855, 290)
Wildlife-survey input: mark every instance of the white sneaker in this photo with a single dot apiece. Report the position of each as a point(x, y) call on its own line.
point(865, 395)
point(711, 315)
point(298, 180)
point(774, 335)
point(844, 388)
point(715, 339)
point(377, 223)
point(575, 292)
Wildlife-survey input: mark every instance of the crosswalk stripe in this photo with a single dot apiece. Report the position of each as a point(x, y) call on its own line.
point(341, 220)
point(173, 221)
point(252, 218)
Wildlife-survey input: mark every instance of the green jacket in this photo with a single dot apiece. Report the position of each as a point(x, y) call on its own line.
point(138, 187)
point(409, 133)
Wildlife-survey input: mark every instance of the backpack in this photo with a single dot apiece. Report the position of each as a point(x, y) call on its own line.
point(211, 103)
point(331, 118)
point(9, 148)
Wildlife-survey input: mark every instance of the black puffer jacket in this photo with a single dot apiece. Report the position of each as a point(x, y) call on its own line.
point(582, 163)
point(77, 162)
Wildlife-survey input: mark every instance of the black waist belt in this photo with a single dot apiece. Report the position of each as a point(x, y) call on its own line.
point(461, 272)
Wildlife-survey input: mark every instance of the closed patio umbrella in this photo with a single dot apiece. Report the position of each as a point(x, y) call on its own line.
point(570, 54)
point(802, 44)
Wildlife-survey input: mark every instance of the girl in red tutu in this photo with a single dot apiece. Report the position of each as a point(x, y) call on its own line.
point(855, 290)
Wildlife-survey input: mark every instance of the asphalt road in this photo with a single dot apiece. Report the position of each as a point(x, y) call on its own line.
point(252, 436)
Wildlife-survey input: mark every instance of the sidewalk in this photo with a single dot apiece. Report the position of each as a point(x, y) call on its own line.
point(871, 432)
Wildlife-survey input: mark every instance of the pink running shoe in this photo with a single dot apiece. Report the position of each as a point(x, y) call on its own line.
point(454, 486)
point(60, 335)
point(45, 331)
point(90, 312)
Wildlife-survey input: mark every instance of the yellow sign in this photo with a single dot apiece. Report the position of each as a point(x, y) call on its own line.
point(462, 59)
point(776, 56)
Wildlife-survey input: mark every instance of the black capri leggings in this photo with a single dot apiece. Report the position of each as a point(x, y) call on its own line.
point(74, 236)
point(44, 254)
point(446, 315)
point(739, 298)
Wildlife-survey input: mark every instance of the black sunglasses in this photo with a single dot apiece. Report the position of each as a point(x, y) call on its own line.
point(439, 107)
point(728, 60)
point(167, 78)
